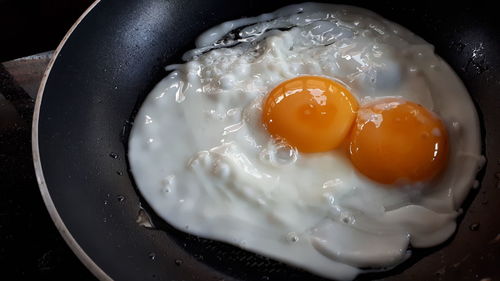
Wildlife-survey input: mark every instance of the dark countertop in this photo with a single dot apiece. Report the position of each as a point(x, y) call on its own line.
point(31, 248)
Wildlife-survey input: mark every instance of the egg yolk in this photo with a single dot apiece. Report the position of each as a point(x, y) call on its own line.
point(311, 113)
point(397, 141)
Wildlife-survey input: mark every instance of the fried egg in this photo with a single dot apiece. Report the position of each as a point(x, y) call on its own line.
point(323, 136)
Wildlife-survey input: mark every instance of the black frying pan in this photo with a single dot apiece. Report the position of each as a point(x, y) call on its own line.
point(115, 56)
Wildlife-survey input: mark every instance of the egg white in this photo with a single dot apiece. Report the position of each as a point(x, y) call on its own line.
point(204, 162)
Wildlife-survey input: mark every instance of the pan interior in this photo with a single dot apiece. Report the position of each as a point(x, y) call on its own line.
point(114, 58)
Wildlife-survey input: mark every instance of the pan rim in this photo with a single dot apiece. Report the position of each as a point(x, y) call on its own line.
point(47, 199)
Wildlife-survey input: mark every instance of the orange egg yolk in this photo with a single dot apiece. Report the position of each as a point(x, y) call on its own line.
point(311, 113)
point(397, 141)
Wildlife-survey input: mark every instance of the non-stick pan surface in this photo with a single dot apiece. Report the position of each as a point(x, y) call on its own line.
point(114, 57)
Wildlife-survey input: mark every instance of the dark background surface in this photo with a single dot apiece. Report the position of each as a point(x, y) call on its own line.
point(28, 27)
point(31, 248)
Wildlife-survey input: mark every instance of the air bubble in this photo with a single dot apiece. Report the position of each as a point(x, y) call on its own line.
point(279, 154)
point(152, 256)
point(286, 155)
point(178, 262)
point(292, 237)
point(233, 112)
point(264, 156)
point(168, 183)
point(242, 244)
point(113, 155)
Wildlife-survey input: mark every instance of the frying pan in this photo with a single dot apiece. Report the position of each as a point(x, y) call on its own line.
point(115, 54)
